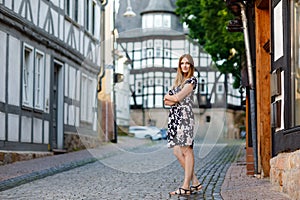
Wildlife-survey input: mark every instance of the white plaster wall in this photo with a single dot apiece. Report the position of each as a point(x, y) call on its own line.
point(78, 81)
point(37, 130)
point(2, 66)
point(14, 71)
point(77, 116)
point(17, 6)
point(72, 83)
point(34, 7)
point(67, 30)
point(71, 119)
point(77, 38)
point(46, 132)
point(13, 128)
point(55, 17)
point(55, 2)
point(8, 3)
point(61, 27)
point(2, 126)
point(26, 129)
point(42, 14)
point(66, 80)
point(65, 113)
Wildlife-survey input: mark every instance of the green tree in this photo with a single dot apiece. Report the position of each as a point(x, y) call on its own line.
point(207, 21)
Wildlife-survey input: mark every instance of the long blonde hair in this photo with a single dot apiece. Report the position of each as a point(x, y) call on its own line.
point(180, 78)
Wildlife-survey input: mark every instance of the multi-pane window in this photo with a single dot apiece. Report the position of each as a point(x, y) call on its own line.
point(71, 9)
point(90, 15)
point(158, 20)
point(33, 78)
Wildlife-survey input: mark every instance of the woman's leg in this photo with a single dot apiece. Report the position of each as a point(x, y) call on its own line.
point(178, 152)
point(188, 165)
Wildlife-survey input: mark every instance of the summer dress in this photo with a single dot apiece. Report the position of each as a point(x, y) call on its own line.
point(181, 119)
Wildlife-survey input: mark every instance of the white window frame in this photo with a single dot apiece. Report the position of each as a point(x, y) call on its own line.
point(39, 80)
point(28, 76)
point(166, 23)
point(220, 88)
point(158, 21)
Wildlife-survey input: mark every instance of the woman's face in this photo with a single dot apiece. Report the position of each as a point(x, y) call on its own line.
point(185, 65)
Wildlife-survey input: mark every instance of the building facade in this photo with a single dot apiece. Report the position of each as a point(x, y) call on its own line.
point(49, 60)
point(274, 40)
point(153, 41)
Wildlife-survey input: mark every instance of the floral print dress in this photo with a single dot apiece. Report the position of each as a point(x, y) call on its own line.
point(181, 119)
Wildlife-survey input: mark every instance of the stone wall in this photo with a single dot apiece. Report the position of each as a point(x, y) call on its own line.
point(285, 173)
point(75, 141)
point(7, 157)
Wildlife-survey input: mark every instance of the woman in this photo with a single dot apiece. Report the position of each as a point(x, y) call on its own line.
point(180, 133)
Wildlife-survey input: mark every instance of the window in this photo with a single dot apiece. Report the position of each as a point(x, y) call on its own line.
point(33, 78)
point(27, 76)
point(76, 11)
point(71, 9)
point(93, 17)
point(295, 67)
point(158, 20)
point(87, 14)
point(158, 48)
point(39, 80)
point(68, 7)
point(220, 88)
point(166, 21)
point(202, 86)
point(90, 15)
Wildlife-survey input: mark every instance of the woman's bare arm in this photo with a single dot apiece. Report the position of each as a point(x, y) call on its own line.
point(186, 90)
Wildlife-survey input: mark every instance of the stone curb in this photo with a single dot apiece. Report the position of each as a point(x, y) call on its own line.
point(17, 181)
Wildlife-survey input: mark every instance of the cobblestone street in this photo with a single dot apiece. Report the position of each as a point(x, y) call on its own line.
point(146, 172)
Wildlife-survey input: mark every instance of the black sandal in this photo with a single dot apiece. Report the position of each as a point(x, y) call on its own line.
point(195, 189)
point(181, 191)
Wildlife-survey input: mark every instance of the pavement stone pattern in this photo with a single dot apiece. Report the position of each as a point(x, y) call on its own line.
point(111, 173)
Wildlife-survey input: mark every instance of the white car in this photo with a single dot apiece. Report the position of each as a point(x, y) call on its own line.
point(146, 132)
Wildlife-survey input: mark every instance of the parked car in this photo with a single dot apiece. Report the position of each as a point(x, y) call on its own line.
point(163, 133)
point(146, 132)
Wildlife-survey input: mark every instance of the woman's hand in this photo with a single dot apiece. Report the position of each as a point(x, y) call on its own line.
point(169, 100)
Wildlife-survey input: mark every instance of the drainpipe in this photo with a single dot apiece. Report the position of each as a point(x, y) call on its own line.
point(251, 86)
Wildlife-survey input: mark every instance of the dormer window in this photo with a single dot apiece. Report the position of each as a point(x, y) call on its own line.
point(156, 20)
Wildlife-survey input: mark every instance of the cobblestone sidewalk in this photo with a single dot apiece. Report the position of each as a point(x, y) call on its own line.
point(134, 169)
point(237, 185)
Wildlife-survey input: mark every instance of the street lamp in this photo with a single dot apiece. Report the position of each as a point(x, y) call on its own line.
point(129, 12)
point(117, 77)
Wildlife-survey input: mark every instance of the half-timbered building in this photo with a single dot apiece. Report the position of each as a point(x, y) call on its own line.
point(49, 65)
point(153, 41)
point(273, 145)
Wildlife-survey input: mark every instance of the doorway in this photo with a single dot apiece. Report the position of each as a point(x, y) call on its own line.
point(58, 106)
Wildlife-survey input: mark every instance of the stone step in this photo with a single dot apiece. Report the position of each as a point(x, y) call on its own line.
point(7, 157)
